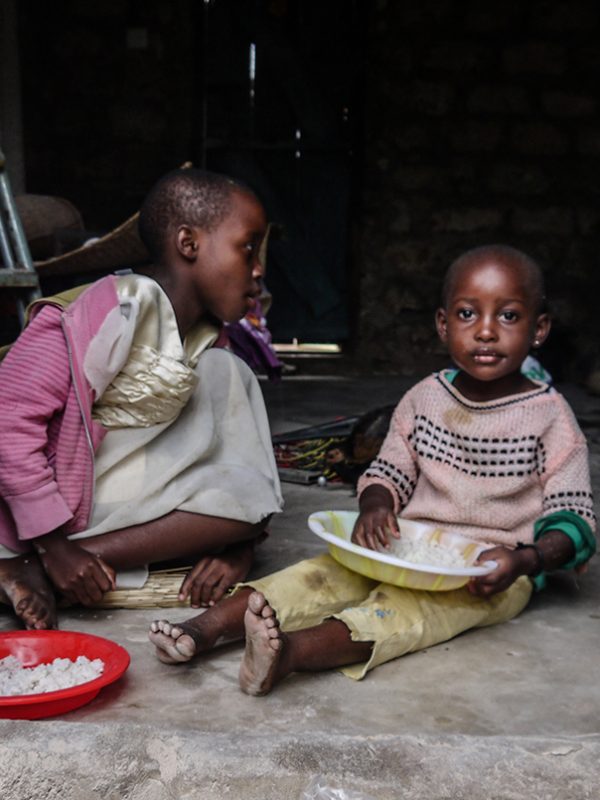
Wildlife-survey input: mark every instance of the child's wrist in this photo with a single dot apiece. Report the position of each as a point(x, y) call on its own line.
point(534, 558)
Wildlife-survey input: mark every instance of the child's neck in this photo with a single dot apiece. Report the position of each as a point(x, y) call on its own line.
point(187, 312)
point(485, 391)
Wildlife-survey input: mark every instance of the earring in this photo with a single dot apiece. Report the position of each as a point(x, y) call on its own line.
point(536, 342)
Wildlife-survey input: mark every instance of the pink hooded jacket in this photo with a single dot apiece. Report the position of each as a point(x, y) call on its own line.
point(47, 435)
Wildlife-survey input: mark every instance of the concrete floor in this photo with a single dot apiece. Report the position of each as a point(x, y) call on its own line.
point(503, 713)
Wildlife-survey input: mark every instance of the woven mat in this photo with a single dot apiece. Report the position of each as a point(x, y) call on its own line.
point(159, 591)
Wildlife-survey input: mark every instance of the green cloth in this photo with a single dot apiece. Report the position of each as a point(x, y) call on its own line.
point(578, 531)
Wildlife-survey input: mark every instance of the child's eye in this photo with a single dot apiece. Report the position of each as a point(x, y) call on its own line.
point(465, 314)
point(250, 250)
point(509, 316)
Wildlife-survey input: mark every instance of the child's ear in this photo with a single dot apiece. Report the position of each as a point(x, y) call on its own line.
point(542, 328)
point(187, 242)
point(441, 324)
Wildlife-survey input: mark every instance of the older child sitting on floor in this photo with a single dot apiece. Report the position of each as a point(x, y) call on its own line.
point(481, 450)
point(124, 439)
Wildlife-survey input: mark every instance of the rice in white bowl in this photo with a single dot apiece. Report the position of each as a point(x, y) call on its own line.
point(62, 673)
point(421, 551)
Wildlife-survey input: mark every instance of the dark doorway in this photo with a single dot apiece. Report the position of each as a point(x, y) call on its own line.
point(269, 91)
point(280, 83)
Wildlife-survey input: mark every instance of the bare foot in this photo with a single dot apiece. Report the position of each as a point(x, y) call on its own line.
point(25, 587)
point(176, 642)
point(219, 624)
point(264, 642)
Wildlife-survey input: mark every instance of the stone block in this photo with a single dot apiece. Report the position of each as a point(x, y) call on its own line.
point(588, 140)
point(538, 138)
point(576, 15)
point(457, 56)
point(551, 221)
point(566, 104)
point(425, 97)
point(419, 16)
point(412, 136)
point(466, 220)
point(588, 221)
point(587, 58)
point(542, 58)
point(518, 178)
point(581, 264)
point(476, 136)
point(414, 177)
point(481, 18)
point(499, 99)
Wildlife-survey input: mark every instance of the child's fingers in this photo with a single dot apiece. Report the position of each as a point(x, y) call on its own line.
point(392, 526)
point(90, 588)
point(87, 594)
point(359, 535)
point(377, 539)
point(191, 577)
point(208, 585)
point(200, 582)
point(109, 573)
point(219, 590)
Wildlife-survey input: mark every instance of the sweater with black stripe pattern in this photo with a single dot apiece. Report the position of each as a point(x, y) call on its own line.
point(485, 470)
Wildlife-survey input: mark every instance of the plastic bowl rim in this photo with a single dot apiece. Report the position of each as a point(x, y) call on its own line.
point(394, 561)
point(108, 676)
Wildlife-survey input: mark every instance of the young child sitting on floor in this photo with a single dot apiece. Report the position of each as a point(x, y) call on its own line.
point(481, 450)
point(125, 439)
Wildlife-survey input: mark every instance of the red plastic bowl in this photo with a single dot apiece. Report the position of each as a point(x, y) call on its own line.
point(42, 647)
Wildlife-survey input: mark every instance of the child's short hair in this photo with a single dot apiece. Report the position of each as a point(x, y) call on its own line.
point(185, 197)
point(504, 254)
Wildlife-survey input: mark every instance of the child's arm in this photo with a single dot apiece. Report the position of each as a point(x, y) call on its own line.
point(34, 385)
point(376, 519)
point(387, 485)
point(550, 552)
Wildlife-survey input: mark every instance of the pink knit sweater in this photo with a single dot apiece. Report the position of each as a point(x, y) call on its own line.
point(485, 470)
point(47, 435)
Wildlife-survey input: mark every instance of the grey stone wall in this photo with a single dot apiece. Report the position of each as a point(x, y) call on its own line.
point(482, 125)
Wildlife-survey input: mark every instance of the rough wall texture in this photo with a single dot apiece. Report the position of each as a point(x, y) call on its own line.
point(482, 125)
point(108, 95)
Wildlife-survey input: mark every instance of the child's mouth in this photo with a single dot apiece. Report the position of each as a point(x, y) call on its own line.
point(486, 357)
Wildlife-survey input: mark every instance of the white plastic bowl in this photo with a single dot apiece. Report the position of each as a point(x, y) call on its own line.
point(335, 528)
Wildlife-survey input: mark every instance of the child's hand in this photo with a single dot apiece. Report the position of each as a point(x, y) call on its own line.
point(206, 583)
point(373, 527)
point(80, 576)
point(511, 564)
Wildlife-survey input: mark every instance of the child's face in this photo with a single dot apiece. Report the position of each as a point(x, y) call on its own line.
point(490, 322)
point(227, 269)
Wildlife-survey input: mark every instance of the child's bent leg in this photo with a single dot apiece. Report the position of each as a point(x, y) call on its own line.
point(303, 595)
point(306, 593)
point(179, 534)
point(271, 655)
point(24, 586)
point(402, 621)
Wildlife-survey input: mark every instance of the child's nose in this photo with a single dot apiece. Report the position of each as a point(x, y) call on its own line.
point(487, 330)
point(258, 269)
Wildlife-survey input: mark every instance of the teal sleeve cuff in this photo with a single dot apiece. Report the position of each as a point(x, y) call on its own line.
point(573, 526)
